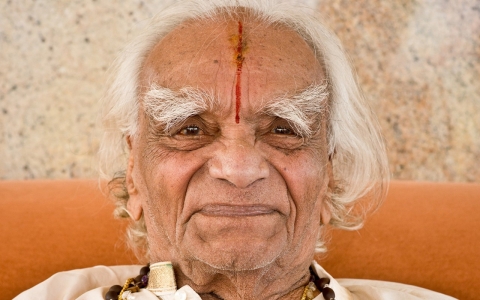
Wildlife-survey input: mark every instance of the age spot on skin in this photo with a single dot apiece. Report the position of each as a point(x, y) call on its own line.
point(239, 61)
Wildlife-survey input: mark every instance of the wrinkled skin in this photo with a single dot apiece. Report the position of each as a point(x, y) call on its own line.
point(235, 207)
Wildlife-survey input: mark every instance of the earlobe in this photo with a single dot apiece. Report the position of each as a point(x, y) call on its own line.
point(325, 214)
point(129, 142)
point(134, 204)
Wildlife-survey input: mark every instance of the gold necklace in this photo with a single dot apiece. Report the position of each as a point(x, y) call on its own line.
point(308, 291)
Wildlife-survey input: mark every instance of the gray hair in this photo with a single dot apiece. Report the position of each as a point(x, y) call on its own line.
point(355, 145)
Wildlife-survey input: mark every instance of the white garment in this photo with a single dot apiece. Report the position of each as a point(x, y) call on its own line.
point(93, 284)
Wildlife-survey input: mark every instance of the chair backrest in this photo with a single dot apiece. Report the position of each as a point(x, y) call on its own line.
point(52, 226)
point(426, 234)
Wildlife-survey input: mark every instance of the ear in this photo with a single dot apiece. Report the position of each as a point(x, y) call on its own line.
point(134, 204)
point(325, 213)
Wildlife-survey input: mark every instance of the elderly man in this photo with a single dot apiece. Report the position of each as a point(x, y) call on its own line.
point(245, 134)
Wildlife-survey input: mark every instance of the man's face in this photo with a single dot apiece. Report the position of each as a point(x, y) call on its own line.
point(233, 187)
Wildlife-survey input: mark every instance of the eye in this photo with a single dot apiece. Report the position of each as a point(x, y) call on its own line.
point(279, 134)
point(283, 130)
point(190, 130)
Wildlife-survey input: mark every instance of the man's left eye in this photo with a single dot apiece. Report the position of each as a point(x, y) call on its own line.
point(190, 130)
point(283, 130)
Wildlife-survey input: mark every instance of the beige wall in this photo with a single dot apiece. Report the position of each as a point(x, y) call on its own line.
point(418, 63)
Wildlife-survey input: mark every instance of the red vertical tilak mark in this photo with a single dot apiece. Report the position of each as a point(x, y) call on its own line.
point(239, 61)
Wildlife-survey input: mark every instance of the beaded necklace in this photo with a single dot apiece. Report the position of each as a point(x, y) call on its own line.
point(133, 285)
point(322, 284)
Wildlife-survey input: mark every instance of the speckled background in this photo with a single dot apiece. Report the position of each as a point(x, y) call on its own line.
point(417, 61)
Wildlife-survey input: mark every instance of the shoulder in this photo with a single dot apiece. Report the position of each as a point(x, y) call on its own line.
point(73, 284)
point(374, 289)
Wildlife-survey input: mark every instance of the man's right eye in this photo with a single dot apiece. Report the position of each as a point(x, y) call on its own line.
point(283, 130)
point(190, 130)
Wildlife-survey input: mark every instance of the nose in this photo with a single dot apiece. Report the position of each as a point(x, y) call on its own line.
point(239, 163)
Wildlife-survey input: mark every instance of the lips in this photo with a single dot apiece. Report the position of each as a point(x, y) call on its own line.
point(221, 210)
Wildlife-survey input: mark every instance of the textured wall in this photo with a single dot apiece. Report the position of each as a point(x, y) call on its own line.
point(418, 63)
point(53, 61)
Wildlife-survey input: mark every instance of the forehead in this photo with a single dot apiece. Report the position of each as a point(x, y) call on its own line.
point(203, 54)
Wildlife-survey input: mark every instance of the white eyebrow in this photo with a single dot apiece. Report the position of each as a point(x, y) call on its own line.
point(171, 108)
point(300, 109)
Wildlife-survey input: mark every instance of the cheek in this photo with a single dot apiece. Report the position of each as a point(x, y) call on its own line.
point(166, 176)
point(298, 166)
point(168, 169)
point(305, 174)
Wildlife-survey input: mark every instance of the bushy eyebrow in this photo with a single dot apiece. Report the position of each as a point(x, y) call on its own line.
point(171, 108)
point(300, 110)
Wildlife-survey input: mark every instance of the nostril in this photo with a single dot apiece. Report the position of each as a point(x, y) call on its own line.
point(239, 172)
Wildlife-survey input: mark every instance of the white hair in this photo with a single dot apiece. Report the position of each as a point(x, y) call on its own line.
point(355, 145)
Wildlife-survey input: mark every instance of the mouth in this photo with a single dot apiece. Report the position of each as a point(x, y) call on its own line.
point(221, 210)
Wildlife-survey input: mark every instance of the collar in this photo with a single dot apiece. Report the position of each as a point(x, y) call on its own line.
point(341, 293)
point(187, 293)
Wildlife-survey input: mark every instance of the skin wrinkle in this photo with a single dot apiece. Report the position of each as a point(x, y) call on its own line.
point(152, 215)
point(158, 230)
point(206, 43)
point(220, 65)
point(171, 184)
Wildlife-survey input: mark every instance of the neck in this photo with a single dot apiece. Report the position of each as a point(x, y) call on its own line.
point(270, 282)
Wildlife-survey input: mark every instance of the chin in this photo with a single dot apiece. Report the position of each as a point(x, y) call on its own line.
point(241, 252)
point(236, 243)
point(238, 255)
